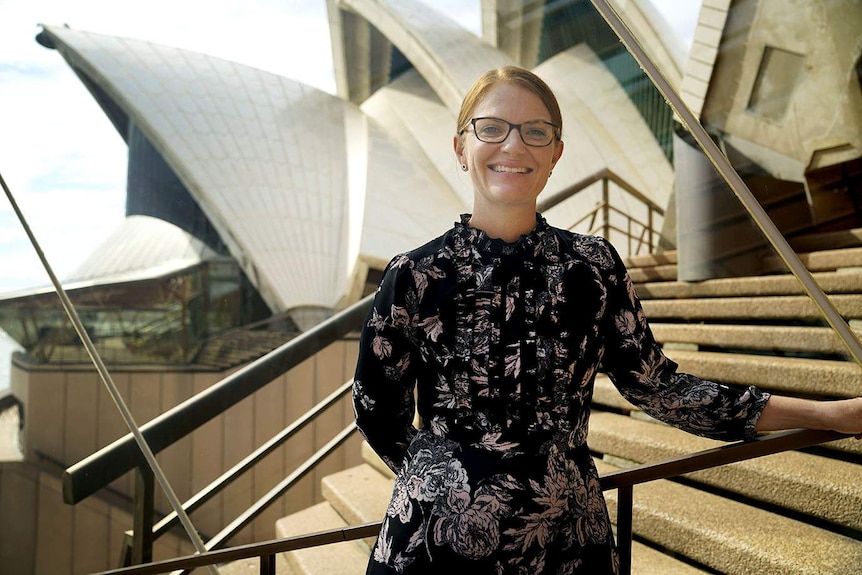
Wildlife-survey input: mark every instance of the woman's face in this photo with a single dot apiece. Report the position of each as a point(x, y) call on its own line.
point(510, 173)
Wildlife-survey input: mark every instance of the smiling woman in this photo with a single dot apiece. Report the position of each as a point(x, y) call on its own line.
point(500, 326)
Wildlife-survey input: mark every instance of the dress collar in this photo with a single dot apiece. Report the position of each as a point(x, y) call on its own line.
point(481, 242)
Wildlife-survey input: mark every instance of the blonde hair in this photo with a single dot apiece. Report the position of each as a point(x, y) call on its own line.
point(519, 77)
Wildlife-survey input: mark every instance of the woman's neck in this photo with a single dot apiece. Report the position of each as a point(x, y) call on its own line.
point(507, 225)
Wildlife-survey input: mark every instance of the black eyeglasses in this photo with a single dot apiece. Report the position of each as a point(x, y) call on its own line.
point(494, 131)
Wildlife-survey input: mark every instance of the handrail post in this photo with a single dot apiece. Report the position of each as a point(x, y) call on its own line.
point(267, 564)
point(606, 207)
point(625, 505)
point(650, 224)
point(142, 539)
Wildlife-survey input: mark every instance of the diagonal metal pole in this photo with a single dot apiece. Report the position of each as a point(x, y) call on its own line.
point(728, 173)
point(109, 384)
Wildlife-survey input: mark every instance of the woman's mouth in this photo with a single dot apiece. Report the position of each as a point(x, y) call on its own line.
point(509, 169)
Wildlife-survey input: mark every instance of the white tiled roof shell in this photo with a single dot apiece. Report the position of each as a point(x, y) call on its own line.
point(141, 247)
point(265, 157)
point(444, 53)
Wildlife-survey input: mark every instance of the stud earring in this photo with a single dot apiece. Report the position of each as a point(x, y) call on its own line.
point(551, 173)
point(464, 167)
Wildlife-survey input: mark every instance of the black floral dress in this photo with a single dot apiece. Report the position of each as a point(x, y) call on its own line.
point(501, 342)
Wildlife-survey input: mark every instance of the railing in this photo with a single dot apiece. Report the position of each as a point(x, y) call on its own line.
point(640, 235)
point(624, 481)
point(108, 464)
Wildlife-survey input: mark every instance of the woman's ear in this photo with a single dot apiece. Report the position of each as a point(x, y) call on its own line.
point(458, 146)
point(558, 151)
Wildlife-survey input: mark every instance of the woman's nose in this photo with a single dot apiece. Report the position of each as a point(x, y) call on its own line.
point(513, 140)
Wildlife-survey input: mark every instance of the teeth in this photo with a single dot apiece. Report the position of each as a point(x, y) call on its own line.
point(509, 170)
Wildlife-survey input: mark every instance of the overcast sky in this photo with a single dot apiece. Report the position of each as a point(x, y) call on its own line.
point(59, 154)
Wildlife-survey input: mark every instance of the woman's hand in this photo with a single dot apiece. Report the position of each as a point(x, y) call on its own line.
point(847, 416)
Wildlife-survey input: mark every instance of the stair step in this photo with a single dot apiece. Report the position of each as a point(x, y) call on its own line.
point(837, 282)
point(750, 308)
point(830, 259)
point(372, 459)
point(731, 537)
point(810, 484)
point(785, 375)
point(251, 566)
point(815, 340)
point(659, 273)
point(827, 240)
point(359, 494)
point(651, 260)
point(664, 266)
point(343, 487)
point(648, 561)
point(347, 558)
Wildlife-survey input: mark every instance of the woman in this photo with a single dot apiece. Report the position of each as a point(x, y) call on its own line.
point(500, 325)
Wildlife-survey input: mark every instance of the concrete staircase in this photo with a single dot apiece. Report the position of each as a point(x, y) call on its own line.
point(791, 513)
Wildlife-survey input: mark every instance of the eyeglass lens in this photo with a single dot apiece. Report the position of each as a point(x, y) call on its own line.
point(495, 130)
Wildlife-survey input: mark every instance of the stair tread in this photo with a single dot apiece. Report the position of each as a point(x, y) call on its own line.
point(827, 240)
point(788, 375)
point(833, 282)
point(810, 484)
point(372, 459)
point(344, 558)
point(648, 561)
point(664, 267)
point(764, 337)
point(780, 307)
point(359, 494)
point(732, 537)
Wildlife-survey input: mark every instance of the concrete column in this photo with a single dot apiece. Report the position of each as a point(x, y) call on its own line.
point(715, 235)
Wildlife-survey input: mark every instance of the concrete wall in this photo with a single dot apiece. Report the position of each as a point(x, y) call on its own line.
point(69, 415)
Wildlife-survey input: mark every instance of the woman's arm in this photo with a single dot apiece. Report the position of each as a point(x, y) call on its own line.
point(844, 416)
point(647, 378)
point(383, 384)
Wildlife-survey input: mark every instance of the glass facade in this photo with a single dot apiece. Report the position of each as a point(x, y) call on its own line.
point(159, 321)
point(568, 23)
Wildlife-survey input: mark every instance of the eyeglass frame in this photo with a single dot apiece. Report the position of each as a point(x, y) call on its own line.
point(512, 126)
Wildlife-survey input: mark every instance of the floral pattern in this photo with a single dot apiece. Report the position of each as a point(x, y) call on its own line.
point(502, 342)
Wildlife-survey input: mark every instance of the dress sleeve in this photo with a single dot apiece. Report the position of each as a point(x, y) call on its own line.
point(383, 384)
point(646, 377)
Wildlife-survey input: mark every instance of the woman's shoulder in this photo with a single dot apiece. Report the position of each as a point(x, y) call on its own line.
point(421, 256)
point(593, 249)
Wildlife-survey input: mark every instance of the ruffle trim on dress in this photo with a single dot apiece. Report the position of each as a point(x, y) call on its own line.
point(483, 243)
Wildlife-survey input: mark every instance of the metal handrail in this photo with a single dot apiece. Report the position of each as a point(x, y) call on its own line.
point(634, 241)
point(603, 174)
point(624, 480)
point(232, 474)
point(283, 486)
point(605, 207)
point(111, 462)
